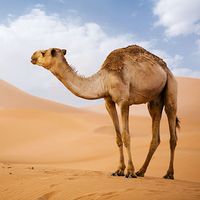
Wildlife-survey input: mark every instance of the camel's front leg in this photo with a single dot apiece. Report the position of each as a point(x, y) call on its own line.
point(110, 106)
point(126, 140)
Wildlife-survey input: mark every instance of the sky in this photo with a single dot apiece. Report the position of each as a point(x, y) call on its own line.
point(89, 30)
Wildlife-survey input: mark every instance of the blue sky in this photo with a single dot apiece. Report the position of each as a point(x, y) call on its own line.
point(90, 29)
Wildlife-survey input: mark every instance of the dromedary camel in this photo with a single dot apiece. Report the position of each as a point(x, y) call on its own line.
point(130, 75)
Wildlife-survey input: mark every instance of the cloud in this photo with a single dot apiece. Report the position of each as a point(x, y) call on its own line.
point(87, 44)
point(172, 61)
point(179, 17)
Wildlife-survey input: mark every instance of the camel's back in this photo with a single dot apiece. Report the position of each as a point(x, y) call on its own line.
point(116, 59)
point(143, 74)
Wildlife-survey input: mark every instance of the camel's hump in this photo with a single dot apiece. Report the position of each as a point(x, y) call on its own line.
point(115, 60)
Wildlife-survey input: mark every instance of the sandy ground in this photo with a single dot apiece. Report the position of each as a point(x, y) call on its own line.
point(53, 151)
point(41, 183)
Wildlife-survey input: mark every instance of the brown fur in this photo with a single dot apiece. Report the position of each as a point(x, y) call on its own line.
point(115, 60)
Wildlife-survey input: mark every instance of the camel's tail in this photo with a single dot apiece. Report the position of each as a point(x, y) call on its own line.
point(170, 96)
point(178, 126)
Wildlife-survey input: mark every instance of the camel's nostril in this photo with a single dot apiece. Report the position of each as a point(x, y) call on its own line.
point(33, 61)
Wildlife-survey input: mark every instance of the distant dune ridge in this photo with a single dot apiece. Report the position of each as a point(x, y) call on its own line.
point(54, 151)
point(12, 97)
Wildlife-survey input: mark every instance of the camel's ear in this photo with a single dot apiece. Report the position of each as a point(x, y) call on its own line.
point(64, 51)
point(53, 52)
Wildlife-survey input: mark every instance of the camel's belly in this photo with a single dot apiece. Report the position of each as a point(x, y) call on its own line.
point(146, 89)
point(144, 95)
point(146, 86)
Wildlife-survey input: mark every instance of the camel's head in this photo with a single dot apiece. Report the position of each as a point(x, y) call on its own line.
point(47, 58)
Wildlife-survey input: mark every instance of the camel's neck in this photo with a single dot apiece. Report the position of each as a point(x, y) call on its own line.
point(88, 88)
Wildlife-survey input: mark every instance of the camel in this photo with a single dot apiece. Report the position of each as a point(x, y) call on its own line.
point(130, 75)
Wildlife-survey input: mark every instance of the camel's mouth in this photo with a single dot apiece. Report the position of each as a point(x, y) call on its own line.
point(34, 60)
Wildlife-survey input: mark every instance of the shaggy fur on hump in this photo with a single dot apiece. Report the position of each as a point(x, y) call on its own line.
point(115, 60)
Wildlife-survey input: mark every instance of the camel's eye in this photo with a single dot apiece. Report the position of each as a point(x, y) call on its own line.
point(43, 53)
point(64, 51)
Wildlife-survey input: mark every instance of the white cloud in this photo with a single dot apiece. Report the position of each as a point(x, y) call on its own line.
point(87, 45)
point(172, 61)
point(179, 17)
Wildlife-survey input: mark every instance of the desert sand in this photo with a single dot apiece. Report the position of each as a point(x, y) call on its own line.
point(53, 151)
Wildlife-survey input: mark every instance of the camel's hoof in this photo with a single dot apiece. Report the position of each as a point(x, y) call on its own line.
point(140, 174)
point(169, 176)
point(130, 175)
point(118, 173)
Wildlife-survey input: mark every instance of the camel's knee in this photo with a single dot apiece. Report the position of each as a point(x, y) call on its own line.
point(171, 109)
point(119, 141)
point(173, 142)
point(126, 139)
point(155, 143)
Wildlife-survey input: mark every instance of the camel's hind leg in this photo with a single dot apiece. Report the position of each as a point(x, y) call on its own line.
point(155, 109)
point(171, 109)
point(171, 114)
point(111, 108)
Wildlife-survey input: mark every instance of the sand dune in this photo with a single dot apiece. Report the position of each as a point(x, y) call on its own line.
point(12, 97)
point(53, 151)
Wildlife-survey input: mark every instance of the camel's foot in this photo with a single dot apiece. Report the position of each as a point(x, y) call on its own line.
point(130, 174)
point(140, 173)
point(169, 176)
point(119, 172)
